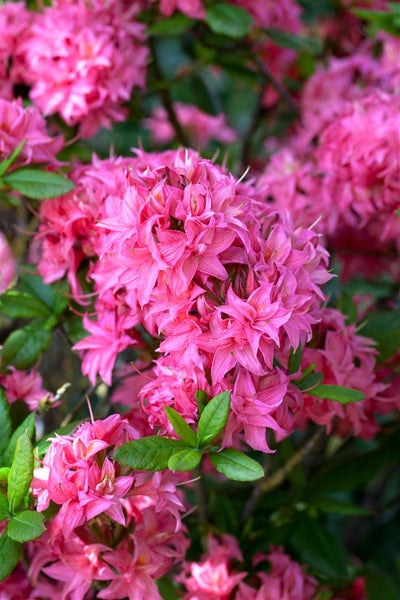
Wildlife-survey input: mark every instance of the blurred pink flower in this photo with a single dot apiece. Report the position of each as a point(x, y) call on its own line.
point(26, 386)
point(200, 127)
point(8, 269)
point(83, 59)
point(18, 124)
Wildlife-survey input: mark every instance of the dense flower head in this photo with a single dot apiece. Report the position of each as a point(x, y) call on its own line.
point(339, 170)
point(80, 548)
point(19, 124)
point(195, 258)
point(329, 89)
point(201, 127)
point(359, 151)
point(82, 60)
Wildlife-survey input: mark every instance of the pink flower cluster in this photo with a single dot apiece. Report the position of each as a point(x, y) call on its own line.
point(123, 530)
point(190, 254)
point(342, 167)
point(200, 127)
point(216, 577)
point(81, 59)
point(349, 360)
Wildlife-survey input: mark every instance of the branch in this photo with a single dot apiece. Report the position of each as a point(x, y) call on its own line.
point(277, 85)
point(167, 100)
point(270, 482)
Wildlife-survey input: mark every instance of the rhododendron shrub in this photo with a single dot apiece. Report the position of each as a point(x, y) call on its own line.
point(199, 303)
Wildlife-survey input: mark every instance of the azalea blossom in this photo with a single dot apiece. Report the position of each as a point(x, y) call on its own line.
point(82, 60)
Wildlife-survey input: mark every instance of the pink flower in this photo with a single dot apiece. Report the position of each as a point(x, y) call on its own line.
point(253, 403)
point(75, 476)
point(192, 8)
point(345, 359)
point(83, 60)
point(200, 127)
point(213, 578)
point(18, 124)
point(107, 339)
point(8, 269)
point(286, 580)
point(14, 23)
point(26, 386)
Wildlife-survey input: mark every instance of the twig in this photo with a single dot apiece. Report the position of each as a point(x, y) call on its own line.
point(255, 120)
point(270, 482)
point(166, 99)
point(277, 85)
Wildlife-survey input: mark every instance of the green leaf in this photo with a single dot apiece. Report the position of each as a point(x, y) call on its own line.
point(54, 296)
point(28, 424)
point(319, 548)
point(299, 43)
point(348, 473)
point(236, 465)
point(201, 399)
point(4, 473)
point(151, 453)
point(21, 472)
point(9, 555)
point(337, 393)
point(5, 164)
point(37, 184)
point(181, 427)
point(338, 507)
point(295, 359)
point(380, 586)
point(23, 347)
point(384, 328)
point(4, 512)
point(175, 25)
point(309, 381)
point(226, 19)
point(185, 460)
point(213, 418)
point(167, 589)
point(26, 525)
point(22, 305)
point(5, 422)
